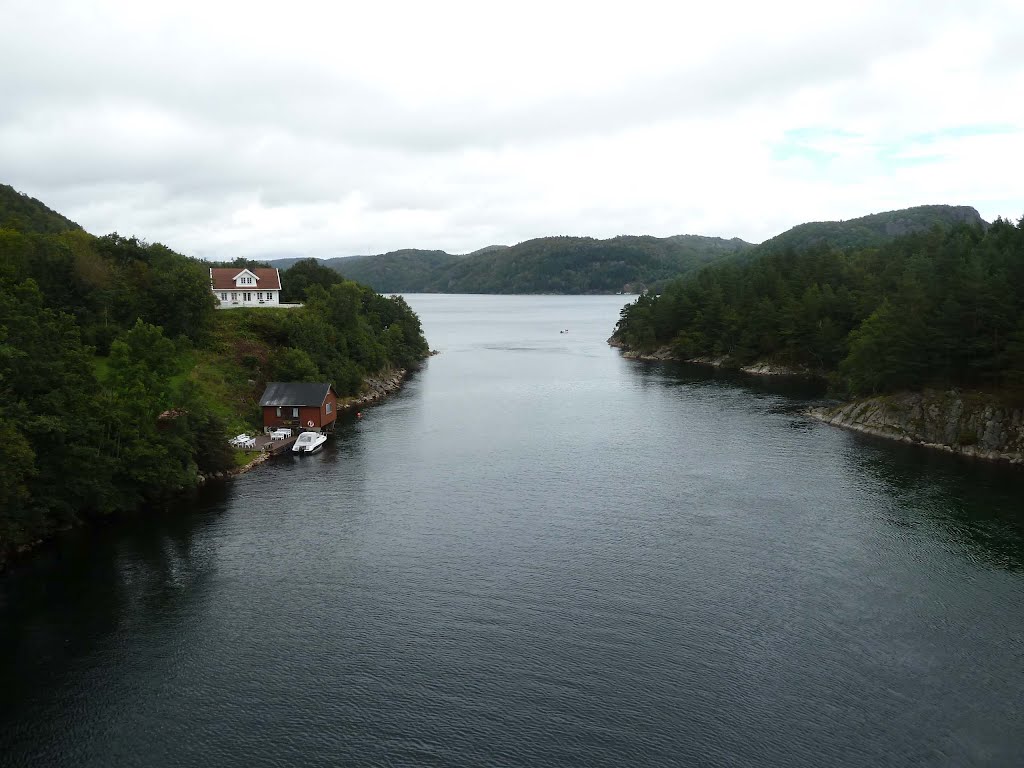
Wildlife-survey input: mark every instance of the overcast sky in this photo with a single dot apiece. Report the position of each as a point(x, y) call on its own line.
point(329, 129)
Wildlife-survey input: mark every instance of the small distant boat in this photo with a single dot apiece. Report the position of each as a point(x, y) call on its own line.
point(309, 442)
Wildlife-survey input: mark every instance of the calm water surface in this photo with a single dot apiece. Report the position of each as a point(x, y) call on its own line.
point(540, 554)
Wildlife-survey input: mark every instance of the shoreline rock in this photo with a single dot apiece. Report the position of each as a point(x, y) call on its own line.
point(665, 354)
point(976, 425)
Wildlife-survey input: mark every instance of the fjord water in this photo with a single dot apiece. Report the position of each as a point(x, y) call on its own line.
point(540, 554)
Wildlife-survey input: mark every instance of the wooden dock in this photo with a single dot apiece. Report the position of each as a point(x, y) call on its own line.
point(263, 444)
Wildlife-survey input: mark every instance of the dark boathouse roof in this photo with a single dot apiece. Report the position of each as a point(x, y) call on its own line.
point(295, 393)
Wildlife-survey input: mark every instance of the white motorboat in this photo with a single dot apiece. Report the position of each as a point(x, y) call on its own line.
point(309, 442)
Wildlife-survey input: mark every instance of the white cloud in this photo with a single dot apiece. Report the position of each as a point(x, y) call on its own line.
point(337, 128)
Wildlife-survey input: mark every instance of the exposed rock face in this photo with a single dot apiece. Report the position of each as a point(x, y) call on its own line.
point(971, 424)
point(662, 353)
point(666, 353)
point(964, 214)
point(774, 369)
point(376, 389)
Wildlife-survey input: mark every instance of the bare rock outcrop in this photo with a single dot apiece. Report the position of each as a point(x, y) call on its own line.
point(968, 423)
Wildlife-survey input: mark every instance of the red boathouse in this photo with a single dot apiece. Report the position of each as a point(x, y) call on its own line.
point(299, 405)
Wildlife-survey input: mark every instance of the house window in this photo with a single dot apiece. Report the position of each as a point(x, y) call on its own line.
point(234, 296)
point(328, 407)
point(248, 296)
point(224, 296)
point(295, 413)
point(279, 411)
point(260, 295)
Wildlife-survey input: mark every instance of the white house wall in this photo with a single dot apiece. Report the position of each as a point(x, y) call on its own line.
point(238, 298)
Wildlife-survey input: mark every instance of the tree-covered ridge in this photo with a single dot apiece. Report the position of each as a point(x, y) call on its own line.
point(24, 213)
point(119, 381)
point(873, 229)
point(405, 271)
point(624, 264)
point(941, 308)
point(544, 265)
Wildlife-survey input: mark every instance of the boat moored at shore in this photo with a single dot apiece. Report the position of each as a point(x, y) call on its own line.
point(309, 442)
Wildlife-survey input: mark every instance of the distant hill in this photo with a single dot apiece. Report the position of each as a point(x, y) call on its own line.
point(568, 265)
point(586, 265)
point(872, 230)
point(406, 271)
point(627, 264)
point(26, 214)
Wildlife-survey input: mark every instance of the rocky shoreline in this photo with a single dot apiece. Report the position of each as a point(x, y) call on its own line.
point(973, 424)
point(665, 354)
point(976, 425)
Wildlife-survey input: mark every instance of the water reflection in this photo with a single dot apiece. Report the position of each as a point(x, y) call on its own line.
point(71, 598)
point(671, 373)
point(975, 503)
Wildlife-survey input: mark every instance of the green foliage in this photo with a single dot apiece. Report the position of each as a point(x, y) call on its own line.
point(929, 309)
point(300, 277)
point(544, 265)
point(119, 382)
point(26, 214)
point(291, 364)
point(622, 264)
point(240, 263)
point(872, 230)
point(343, 334)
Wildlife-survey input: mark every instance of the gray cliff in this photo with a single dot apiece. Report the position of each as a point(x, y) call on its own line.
point(968, 423)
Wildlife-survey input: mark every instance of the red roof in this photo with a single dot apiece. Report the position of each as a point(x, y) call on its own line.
point(223, 279)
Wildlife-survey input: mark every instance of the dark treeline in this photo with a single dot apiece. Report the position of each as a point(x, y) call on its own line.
point(120, 381)
point(942, 308)
point(343, 333)
point(565, 265)
point(624, 264)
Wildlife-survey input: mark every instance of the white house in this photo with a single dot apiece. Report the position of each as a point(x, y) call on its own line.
point(257, 287)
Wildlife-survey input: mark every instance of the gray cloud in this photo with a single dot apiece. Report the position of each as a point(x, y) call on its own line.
point(226, 135)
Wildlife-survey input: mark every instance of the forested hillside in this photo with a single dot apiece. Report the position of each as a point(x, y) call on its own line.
point(871, 230)
point(405, 271)
point(585, 265)
point(120, 382)
point(19, 211)
point(546, 265)
point(942, 308)
point(625, 264)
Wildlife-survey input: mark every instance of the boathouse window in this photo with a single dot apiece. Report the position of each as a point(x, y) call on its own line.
point(328, 407)
point(279, 411)
point(295, 412)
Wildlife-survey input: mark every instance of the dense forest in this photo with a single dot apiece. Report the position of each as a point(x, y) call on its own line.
point(570, 265)
point(941, 308)
point(120, 382)
point(625, 264)
point(871, 230)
